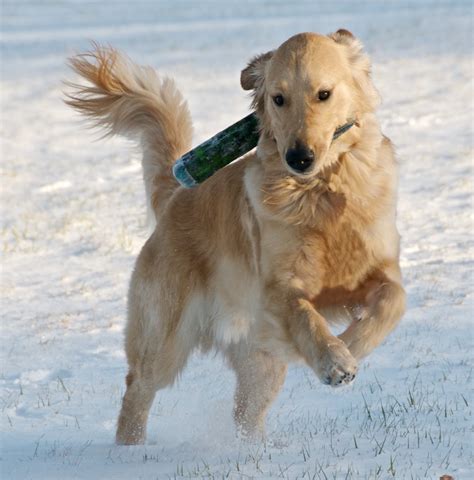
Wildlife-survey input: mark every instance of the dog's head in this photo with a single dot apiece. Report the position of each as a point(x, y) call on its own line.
point(307, 88)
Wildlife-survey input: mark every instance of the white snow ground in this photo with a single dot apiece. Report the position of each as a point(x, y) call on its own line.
point(73, 220)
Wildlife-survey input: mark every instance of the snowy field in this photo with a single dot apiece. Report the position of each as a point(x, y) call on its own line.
point(73, 221)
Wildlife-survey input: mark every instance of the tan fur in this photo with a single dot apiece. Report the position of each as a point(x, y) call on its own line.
point(258, 260)
point(133, 101)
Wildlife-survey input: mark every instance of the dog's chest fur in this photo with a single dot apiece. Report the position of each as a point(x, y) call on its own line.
point(312, 260)
point(345, 259)
point(321, 238)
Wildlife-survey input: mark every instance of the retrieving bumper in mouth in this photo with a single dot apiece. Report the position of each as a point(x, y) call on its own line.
point(223, 148)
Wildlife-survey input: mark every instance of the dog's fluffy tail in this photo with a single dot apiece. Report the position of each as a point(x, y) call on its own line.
point(134, 101)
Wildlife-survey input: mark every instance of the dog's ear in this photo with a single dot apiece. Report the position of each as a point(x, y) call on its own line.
point(355, 50)
point(343, 36)
point(359, 62)
point(253, 74)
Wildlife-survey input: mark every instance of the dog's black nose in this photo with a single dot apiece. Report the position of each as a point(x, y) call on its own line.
point(299, 158)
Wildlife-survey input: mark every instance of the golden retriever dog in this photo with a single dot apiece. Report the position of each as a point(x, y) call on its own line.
point(259, 260)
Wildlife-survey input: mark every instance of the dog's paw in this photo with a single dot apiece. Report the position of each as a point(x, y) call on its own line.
point(337, 366)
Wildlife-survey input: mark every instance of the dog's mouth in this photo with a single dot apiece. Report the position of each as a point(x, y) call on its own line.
point(301, 160)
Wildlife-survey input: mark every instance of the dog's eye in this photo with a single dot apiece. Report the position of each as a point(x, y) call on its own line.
point(324, 95)
point(279, 100)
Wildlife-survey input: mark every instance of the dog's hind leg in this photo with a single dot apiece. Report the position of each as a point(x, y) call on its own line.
point(260, 377)
point(137, 401)
point(156, 369)
point(158, 345)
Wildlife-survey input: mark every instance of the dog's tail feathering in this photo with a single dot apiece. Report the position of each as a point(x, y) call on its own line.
point(130, 100)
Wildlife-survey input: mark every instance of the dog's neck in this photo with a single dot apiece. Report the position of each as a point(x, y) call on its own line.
point(346, 184)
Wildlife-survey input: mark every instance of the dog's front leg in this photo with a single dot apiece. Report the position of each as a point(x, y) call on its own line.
point(327, 355)
point(385, 306)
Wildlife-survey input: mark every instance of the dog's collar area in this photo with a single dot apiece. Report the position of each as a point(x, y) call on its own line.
point(343, 129)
